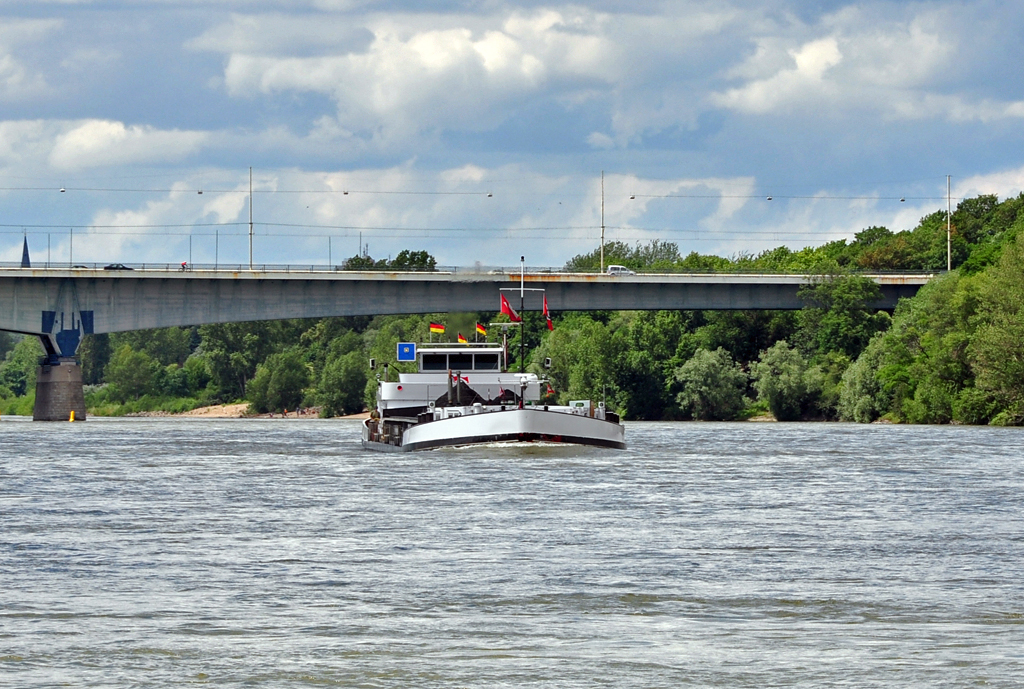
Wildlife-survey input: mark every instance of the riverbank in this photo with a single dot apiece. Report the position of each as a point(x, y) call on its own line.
point(241, 411)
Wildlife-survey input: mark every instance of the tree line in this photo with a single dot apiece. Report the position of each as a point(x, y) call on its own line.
point(950, 354)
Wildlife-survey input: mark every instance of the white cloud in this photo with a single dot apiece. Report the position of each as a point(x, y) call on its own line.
point(708, 95)
point(419, 73)
point(1004, 184)
point(599, 140)
point(919, 106)
point(448, 213)
point(279, 33)
point(802, 82)
point(733, 192)
point(18, 81)
point(96, 143)
point(900, 68)
point(24, 142)
point(226, 207)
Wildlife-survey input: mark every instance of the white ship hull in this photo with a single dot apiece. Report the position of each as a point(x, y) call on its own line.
point(510, 425)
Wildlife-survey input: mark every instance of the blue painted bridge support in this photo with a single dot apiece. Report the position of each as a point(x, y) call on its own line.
point(60, 306)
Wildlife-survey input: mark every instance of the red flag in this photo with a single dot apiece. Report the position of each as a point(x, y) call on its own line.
point(547, 314)
point(507, 309)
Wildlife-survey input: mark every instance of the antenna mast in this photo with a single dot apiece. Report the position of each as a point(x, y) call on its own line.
point(522, 314)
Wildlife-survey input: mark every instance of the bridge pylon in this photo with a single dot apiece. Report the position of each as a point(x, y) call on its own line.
point(59, 392)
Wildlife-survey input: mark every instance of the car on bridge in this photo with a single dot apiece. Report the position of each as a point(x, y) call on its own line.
point(620, 270)
point(117, 266)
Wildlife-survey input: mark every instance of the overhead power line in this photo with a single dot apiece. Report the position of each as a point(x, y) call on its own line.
point(343, 192)
point(771, 197)
point(425, 232)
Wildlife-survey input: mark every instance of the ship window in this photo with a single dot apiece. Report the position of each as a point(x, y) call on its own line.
point(486, 362)
point(460, 362)
point(435, 362)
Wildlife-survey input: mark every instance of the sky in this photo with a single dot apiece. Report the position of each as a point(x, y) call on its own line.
point(479, 131)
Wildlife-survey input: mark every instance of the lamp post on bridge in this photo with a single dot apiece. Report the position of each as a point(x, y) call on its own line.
point(250, 217)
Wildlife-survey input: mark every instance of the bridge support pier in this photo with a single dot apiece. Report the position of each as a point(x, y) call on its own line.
point(59, 392)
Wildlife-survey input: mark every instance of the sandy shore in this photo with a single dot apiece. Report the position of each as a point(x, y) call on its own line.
point(238, 411)
point(218, 411)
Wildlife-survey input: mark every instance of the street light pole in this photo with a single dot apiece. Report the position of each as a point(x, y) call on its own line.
point(250, 218)
point(949, 229)
point(602, 221)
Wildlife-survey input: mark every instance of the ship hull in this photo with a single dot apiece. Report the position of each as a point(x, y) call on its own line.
point(512, 425)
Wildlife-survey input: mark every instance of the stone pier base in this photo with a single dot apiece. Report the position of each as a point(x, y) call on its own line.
point(59, 392)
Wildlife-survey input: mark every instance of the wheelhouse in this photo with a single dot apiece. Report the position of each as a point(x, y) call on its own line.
point(483, 357)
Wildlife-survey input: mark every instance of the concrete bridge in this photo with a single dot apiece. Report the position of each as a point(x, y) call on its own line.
point(62, 305)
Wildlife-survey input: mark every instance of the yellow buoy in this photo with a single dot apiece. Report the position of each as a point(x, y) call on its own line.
point(72, 419)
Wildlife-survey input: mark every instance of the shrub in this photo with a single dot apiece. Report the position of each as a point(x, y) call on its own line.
point(712, 386)
point(130, 374)
point(342, 384)
point(862, 397)
point(783, 379)
point(18, 369)
point(975, 407)
point(280, 383)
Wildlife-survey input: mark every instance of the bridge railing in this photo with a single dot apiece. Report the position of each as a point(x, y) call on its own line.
point(475, 269)
point(261, 267)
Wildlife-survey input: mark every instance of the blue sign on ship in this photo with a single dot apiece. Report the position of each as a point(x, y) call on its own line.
point(407, 351)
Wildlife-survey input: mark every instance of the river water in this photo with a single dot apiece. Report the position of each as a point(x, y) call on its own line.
point(160, 552)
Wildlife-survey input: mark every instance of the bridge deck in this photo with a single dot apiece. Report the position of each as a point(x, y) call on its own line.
point(48, 301)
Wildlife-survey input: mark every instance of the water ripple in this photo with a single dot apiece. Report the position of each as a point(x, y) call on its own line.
point(151, 552)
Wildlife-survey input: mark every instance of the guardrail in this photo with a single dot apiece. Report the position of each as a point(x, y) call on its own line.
point(321, 268)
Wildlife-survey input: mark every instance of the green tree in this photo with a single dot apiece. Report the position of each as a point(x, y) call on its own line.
point(654, 256)
point(320, 338)
point(171, 381)
point(784, 380)
point(233, 350)
point(863, 398)
point(838, 316)
point(645, 360)
point(18, 369)
point(280, 382)
point(997, 350)
point(744, 334)
point(697, 263)
point(94, 355)
point(826, 375)
point(405, 261)
point(419, 261)
point(6, 343)
point(166, 345)
point(343, 384)
point(197, 374)
point(130, 374)
point(712, 386)
point(364, 263)
point(642, 384)
point(583, 353)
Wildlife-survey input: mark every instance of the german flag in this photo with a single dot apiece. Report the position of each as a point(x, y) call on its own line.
point(462, 338)
point(436, 327)
point(481, 330)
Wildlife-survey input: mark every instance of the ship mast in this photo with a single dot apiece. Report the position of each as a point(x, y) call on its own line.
point(522, 314)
